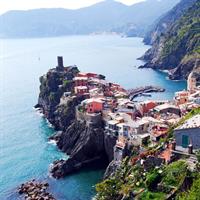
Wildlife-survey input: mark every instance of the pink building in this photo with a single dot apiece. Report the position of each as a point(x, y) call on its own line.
point(80, 81)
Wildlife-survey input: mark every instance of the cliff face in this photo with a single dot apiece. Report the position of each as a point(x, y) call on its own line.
point(176, 43)
point(85, 144)
point(52, 87)
point(83, 139)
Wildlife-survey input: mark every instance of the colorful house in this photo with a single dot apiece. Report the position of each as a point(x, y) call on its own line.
point(181, 97)
point(93, 105)
point(188, 133)
point(81, 90)
point(148, 105)
point(80, 81)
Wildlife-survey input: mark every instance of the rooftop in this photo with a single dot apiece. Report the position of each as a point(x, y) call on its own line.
point(113, 122)
point(81, 87)
point(193, 122)
point(98, 100)
point(80, 78)
point(165, 106)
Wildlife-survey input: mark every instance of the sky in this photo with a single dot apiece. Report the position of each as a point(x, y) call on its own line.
point(6, 5)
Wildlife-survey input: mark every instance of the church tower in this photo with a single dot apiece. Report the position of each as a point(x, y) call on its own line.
point(191, 83)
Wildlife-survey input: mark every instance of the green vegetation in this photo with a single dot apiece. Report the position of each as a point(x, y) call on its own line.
point(198, 155)
point(174, 174)
point(152, 180)
point(182, 41)
point(152, 195)
point(132, 181)
point(193, 193)
point(52, 96)
point(66, 82)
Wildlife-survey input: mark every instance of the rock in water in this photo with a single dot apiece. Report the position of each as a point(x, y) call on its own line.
point(34, 190)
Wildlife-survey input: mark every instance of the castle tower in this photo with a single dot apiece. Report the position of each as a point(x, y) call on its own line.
point(60, 66)
point(191, 83)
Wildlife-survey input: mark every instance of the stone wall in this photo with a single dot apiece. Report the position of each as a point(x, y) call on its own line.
point(89, 118)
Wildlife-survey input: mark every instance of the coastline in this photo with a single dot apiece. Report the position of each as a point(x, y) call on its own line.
point(39, 132)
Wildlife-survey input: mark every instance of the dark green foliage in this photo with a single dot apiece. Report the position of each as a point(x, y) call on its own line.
point(198, 156)
point(175, 173)
point(193, 193)
point(183, 38)
point(152, 196)
point(67, 83)
point(152, 180)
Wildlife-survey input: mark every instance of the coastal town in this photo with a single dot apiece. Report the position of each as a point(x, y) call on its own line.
point(138, 123)
point(98, 121)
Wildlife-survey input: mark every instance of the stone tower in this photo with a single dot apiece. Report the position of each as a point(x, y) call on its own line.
point(191, 83)
point(60, 66)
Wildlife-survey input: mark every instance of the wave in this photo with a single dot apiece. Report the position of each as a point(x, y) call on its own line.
point(53, 142)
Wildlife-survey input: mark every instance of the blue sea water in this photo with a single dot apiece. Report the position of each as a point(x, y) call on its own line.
point(24, 149)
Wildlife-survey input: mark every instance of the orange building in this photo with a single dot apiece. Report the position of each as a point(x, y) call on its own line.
point(94, 105)
point(148, 105)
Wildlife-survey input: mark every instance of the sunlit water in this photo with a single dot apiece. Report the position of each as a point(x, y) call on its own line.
point(24, 149)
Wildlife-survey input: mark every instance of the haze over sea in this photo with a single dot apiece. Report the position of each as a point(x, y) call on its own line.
point(24, 149)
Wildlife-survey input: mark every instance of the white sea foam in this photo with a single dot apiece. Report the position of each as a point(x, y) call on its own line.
point(53, 142)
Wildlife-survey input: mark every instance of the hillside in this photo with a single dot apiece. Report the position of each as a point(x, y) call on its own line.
point(134, 180)
point(104, 16)
point(177, 48)
point(165, 22)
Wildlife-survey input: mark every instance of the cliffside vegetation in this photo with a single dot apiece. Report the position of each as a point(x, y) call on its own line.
point(178, 48)
point(133, 180)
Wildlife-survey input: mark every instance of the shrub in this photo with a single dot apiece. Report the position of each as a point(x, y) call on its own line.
point(152, 180)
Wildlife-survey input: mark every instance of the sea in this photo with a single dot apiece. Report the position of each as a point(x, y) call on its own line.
point(25, 151)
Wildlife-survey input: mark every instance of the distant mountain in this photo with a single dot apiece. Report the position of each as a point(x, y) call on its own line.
point(177, 47)
point(104, 16)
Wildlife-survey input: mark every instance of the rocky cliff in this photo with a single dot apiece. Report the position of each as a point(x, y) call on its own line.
point(83, 140)
point(52, 87)
point(176, 41)
point(85, 144)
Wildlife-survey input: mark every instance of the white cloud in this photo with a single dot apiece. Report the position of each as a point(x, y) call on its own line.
point(6, 5)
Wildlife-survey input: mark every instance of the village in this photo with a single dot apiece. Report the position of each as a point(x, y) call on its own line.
point(138, 123)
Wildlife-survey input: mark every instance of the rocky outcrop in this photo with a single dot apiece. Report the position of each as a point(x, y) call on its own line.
point(111, 169)
point(81, 137)
point(85, 144)
point(52, 87)
point(176, 41)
